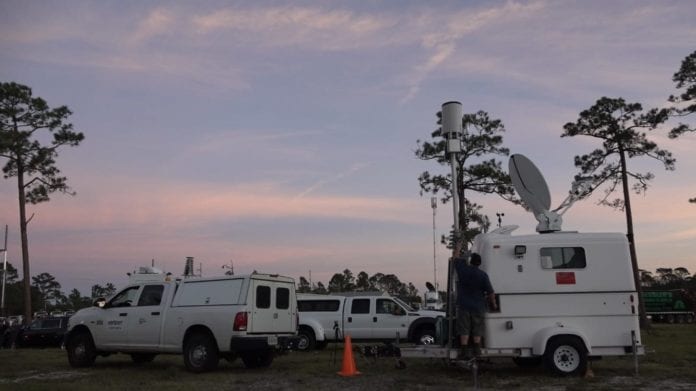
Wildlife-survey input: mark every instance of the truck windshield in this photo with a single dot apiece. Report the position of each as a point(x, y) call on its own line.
point(406, 306)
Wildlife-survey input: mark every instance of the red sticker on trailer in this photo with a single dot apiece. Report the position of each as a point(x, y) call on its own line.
point(567, 278)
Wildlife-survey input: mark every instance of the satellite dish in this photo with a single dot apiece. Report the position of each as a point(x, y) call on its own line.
point(530, 184)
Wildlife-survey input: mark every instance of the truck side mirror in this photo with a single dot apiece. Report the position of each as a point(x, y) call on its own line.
point(100, 302)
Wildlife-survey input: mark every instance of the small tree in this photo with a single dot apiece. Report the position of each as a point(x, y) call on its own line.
point(22, 118)
point(482, 138)
point(49, 288)
point(363, 282)
point(619, 126)
point(303, 286)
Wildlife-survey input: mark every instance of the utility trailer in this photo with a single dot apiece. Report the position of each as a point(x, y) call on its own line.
point(563, 297)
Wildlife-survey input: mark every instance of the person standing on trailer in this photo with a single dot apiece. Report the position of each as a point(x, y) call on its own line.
point(473, 287)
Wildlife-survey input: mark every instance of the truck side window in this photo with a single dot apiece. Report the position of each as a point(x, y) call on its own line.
point(152, 295)
point(263, 297)
point(318, 305)
point(282, 298)
point(386, 306)
point(563, 258)
point(125, 298)
point(360, 306)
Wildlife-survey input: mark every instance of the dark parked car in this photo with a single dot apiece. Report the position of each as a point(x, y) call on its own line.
point(43, 332)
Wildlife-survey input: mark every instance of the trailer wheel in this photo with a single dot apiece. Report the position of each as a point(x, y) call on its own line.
point(690, 318)
point(81, 350)
point(200, 353)
point(566, 355)
point(670, 319)
point(681, 318)
point(306, 340)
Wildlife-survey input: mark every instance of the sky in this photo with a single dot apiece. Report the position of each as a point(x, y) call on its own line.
point(280, 136)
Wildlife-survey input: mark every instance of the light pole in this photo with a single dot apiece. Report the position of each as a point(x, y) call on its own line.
point(433, 204)
point(451, 130)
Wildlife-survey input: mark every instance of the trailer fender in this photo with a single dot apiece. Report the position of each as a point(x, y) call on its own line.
point(541, 338)
point(316, 327)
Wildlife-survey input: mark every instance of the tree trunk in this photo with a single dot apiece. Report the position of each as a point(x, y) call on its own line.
point(631, 241)
point(25, 242)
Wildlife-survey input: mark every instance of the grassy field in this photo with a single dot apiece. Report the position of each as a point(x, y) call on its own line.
point(669, 365)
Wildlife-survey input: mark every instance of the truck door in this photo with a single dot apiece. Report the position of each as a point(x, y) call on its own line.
point(358, 318)
point(390, 319)
point(110, 329)
point(285, 309)
point(145, 319)
point(264, 313)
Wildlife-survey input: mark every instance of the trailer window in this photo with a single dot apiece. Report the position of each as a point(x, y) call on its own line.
point(360, 306)
point(282, 298)
point(318, 305)
point(263, 297)
point(563, 258)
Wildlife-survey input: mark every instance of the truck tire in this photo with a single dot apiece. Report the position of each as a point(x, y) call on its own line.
point(527, 362)
point(81, 350)
point(566, 355)
point(426, 336)
point(258, 359)
point(200, 353)
point(141, 358)
point(306, 341)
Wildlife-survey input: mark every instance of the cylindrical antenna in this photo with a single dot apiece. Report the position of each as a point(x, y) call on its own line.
point(451, 119)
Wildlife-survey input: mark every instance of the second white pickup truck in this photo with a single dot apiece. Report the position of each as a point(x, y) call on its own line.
point(365, 316)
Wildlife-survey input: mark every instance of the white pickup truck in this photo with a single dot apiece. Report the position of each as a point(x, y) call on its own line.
point(206, 319)
point(365, 316)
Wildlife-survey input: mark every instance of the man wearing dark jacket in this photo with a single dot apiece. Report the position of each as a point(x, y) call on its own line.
point(473, 287)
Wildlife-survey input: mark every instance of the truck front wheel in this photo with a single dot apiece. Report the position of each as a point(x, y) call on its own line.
point(81, 350)
point(566, 355)
point(200, 353)
point(426, 336)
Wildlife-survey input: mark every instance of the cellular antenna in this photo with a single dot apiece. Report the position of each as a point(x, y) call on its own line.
point(532, 189)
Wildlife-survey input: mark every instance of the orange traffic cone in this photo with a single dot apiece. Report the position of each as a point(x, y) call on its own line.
point(348, 368)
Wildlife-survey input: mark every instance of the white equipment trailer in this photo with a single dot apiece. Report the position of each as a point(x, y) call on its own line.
point(563, 297)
